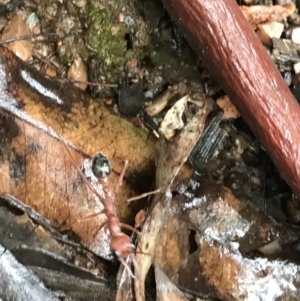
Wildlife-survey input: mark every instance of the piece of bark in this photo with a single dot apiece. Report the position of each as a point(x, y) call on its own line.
point(230, 49)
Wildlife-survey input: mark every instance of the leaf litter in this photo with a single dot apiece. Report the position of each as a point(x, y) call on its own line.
point(171, 157)
point(221, 242)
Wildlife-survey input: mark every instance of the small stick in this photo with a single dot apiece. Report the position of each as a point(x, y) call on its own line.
point(27, 37)
point(88, 216)
point(94, 84)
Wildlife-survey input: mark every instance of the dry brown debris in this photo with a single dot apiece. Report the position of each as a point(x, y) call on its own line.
point(257, 14)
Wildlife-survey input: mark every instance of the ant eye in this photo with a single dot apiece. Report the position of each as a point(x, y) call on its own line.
point(101, 166)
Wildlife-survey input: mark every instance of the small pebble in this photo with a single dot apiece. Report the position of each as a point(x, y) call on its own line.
point(95, 271)
point(15, 28)
point(89, 265)
point(78, 72)
point(80, 3)
point(128, 21)
point(51, 72)
point(148, 94)
point(296, 67)
point(255, 180)
point(32, 20)
point(296, 35)
point(272, 29)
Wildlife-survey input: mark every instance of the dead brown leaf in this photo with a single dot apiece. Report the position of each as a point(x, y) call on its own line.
point(36, 167)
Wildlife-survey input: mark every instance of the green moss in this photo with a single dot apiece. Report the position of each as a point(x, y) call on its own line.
point(106, 34)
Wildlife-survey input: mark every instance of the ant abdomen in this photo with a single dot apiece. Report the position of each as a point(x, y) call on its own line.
point(101, 166)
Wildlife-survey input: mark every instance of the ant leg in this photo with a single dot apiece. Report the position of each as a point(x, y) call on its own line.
point(92, 215)
point(127, 267)
point(100, 227)
point(136, 268)
point(128, 227)
point(121, 176)
point(138, 197)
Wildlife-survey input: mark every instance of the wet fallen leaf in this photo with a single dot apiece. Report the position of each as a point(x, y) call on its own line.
point(50, 260)
point(125, 284)
point(148, 241)
point(19, 230)
point(48, 181)
point(224, 217)
point(36, 167)
point(226, 228)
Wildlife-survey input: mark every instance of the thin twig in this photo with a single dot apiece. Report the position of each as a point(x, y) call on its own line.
point(29, 36)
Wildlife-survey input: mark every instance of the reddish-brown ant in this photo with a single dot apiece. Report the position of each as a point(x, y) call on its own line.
point(120, 243)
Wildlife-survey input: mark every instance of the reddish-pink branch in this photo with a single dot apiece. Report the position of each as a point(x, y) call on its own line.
point(232, 52)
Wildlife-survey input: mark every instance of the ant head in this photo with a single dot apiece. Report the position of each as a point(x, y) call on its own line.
point(101, 166)
point(121, 246)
